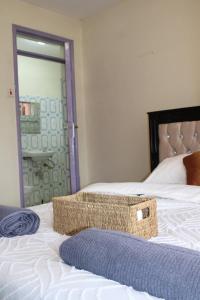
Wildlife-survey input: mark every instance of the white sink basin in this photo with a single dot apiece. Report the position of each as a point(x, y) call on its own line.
point(38, 155)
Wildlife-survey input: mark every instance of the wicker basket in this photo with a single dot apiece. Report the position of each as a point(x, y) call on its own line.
point(133, 214)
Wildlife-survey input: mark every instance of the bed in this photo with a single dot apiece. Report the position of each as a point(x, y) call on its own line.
point(30, 266)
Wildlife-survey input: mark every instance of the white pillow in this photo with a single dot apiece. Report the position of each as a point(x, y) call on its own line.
point(170, 170)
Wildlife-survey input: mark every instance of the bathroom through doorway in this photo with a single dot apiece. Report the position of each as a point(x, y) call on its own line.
point(46, 116)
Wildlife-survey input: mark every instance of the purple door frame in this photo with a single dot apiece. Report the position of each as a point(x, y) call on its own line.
point(71, 105)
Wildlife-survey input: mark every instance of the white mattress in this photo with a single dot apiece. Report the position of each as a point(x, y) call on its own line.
point(30, 266)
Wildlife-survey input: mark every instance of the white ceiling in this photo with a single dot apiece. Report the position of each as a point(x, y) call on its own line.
point(74, 8)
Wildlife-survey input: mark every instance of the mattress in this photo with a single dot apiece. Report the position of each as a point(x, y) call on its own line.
point(31, 269)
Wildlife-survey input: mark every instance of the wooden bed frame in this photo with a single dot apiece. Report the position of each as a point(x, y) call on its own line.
point(164, 117)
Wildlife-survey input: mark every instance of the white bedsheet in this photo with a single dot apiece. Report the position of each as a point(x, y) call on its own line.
point(31, 269)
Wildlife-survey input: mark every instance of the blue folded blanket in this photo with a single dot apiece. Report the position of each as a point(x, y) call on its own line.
point(16, 221)
point(164, 271)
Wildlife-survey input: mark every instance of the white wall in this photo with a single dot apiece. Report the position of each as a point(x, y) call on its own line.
point(40, 77)
point(139, 56)
point(20, 13)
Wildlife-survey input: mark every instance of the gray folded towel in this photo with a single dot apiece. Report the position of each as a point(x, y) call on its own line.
point(16, 221)
point(164, 271)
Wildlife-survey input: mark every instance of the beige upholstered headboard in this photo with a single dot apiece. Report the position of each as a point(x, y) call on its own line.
point(178, 138)
point(173, 132)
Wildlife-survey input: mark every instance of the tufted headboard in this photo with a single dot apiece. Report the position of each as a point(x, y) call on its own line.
point(173, 132)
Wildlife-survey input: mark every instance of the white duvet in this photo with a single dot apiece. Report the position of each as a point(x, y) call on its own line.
point(31, 269)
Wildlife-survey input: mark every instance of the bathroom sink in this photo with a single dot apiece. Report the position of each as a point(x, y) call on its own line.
point(37, 155)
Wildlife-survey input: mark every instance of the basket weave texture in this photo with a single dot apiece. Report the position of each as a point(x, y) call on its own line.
point(116, 212)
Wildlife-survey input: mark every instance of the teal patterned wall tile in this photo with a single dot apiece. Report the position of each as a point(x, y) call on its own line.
point(53, 124)
point(43, 105)
point(43, 123)
point(25, 177)
point(47, 177)
point(53, 141)
point(47, 194)
point(34, 142)
point(53, 107)
point(35, 180)
point(37, 196)
point(55, 175)
point(56, 191)
point(44, 141)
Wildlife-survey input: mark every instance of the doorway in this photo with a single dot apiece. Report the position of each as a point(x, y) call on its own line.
point(46, 116)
